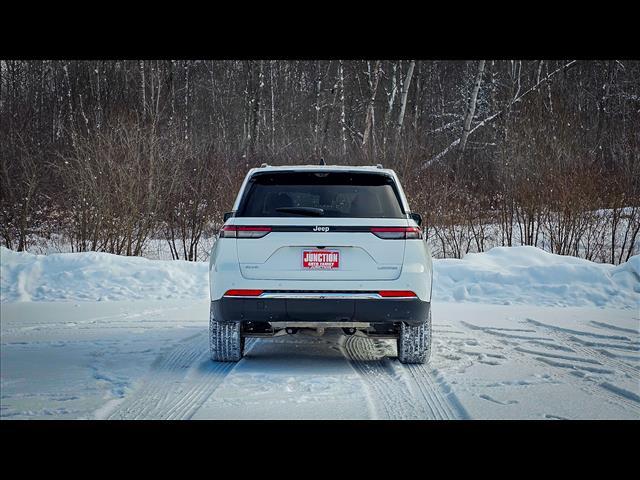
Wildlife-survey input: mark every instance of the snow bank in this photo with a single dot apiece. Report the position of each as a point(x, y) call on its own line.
point(98, 276)
point(503, 275)
point(529, 275)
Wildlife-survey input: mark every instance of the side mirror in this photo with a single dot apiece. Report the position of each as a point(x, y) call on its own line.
point(416, 217)
point(228, 215)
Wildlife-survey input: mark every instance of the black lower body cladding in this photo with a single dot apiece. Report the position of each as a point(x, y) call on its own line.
point(411, 311)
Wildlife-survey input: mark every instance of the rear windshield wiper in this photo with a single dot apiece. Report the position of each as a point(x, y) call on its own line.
point(310, 211)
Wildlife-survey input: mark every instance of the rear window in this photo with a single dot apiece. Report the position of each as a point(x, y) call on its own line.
point(337, 194)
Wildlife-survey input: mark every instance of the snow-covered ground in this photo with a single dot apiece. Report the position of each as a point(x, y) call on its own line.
point(518, 333)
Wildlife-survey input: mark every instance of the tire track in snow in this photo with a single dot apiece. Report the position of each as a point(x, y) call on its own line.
point(611, 393)
point(608, 326)
point(589, 370)
point(414, 396)
point(432, 383)
point(578, 345)
point(597, 386)
point(389, 394)
point(178, 384)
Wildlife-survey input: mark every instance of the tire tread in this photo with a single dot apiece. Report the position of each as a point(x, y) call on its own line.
point(414, 342)
point(226, 343)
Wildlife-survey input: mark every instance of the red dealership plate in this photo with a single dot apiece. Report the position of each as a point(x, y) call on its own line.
point(321, 259)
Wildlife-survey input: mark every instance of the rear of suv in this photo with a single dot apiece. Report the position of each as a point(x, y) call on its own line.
point(320, 247)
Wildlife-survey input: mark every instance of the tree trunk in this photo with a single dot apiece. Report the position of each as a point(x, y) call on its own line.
point(471, 109)
point(342, 112)
point(405, 93)
point(370, 118)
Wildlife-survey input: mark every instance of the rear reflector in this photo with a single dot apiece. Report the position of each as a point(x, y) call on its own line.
point(243, 293)
point(397, 233)
point(241, 231)
point(396, 293)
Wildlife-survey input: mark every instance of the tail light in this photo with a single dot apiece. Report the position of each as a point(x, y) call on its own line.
point(243, 293)
point(397, 233)
point(396, 293)
point(241, 231)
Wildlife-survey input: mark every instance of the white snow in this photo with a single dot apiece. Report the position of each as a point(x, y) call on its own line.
point(97, 276)
point(503, 275)
point(529, 275)
point(517, 333)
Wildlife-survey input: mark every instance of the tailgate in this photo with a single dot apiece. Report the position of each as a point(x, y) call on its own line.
point(308, 252)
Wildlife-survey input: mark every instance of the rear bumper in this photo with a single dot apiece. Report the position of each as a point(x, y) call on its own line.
point(235, 309)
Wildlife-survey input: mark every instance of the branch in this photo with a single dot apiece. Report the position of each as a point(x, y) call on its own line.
point(491, 118)
point(445, 127)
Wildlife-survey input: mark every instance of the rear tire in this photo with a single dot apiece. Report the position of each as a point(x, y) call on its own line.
point(414, 342)
point(226, 343)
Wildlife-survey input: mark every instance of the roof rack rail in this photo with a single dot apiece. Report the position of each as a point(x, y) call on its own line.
point(379, 165)
point(264, 165)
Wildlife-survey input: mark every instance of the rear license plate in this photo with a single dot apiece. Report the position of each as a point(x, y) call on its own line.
point(321, 259)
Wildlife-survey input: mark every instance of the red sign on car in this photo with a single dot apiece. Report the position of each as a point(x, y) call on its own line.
point(321, 259)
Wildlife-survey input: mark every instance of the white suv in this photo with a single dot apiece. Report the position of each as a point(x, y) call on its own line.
point(316, 247)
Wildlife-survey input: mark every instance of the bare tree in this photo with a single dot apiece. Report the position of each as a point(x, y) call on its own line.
point(109, 155)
